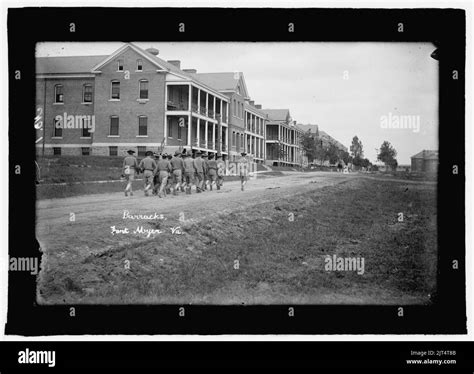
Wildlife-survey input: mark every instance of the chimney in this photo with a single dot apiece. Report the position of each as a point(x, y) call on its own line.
point(192, 71)
point(176, 63)
point(252, 102)
point(153, 51)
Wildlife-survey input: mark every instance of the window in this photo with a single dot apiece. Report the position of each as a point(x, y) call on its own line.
point(87, 93)
point(120, 65)
point(57, 131)
point(143, 88)
point(86, 151)
point(179, 132)
point(114, 125)
point(235, 108)
point(85, 129)
point(58, 94)
point(57, 151)
point(113, 151)
point(142, 126)
point(233, 138)
point(139, 65)
point(115, 91)
point(141, 151)
point(170, 128)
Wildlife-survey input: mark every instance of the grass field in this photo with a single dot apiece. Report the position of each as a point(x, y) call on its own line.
point(279, 260)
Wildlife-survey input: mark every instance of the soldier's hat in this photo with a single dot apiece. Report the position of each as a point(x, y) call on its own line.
point(177, 153)
point(211, 156)
point(198, 153)
point(165, 155)
point(130, 151)
point(204, 154)
point(156, 154)
point(148, 153)
point(244, 154)
point(170, 156)
point(218, 155)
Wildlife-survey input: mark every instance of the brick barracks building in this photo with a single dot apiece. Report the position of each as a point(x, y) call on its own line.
point(135, 99)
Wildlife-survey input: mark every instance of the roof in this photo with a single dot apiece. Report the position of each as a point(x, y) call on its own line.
point(277, 114)
point(427, 155)
point(313, 128)
point(67, 64)
point(219, 81)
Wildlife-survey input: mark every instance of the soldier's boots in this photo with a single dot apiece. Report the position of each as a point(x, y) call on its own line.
point(218, 187)
point(175, 193)
point(188, 190)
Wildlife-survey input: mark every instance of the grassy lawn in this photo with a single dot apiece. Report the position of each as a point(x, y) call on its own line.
point(279, 261)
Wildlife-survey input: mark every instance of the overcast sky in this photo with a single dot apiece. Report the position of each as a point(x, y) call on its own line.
point(345, 88)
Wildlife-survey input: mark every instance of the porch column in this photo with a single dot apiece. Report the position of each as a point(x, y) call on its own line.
point(189, 130)
point(213, 135)
point(199, 101)
point(198, 133)
point(205, 136)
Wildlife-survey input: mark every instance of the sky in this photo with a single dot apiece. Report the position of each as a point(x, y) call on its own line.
point(347, 89)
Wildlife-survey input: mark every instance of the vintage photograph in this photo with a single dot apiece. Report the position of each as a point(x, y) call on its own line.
point(237, 173)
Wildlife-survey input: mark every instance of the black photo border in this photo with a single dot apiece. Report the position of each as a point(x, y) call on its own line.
point(445, 27)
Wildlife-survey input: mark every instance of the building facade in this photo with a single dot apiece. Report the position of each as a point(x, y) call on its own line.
point(283, 139)
point(134, 100)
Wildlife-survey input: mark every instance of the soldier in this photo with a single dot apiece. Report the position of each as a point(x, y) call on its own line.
point(177, 166)
point(220, 171)
point(170, 179)
point(163, 170)
point(243, 169)
point(148, 166)
point(130, 166)
point(199, 166)
point(205, 157)
point(189, 171)
point(156, 182)
point(212, 171)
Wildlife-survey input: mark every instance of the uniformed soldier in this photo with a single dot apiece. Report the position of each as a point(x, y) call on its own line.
point(156, 182)
point(212, 171)
point(220, 171)
point(177, 165)
point(199, 166)
point(148, 166)
point(204, 157)
point(189, 171)
point(170, 179)
point(244, 170)
point(163, 170)
point(130, 166)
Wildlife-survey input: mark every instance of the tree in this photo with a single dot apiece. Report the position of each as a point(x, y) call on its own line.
point(332, 154)
point(387, 155)
point(345, 156)
point(308, 142)
point(356, 149)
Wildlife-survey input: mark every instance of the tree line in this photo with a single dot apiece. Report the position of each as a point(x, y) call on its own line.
point(318, 151)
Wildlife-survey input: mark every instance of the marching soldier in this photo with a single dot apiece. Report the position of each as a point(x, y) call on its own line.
point(130, 165)
point(205, 167)
point(156, 182)
point(212, 171)
point(170, 179)
point(244, 172)
point(189, 171)
point(177, 166)
point(220, 171)
point(148, 166)
point(163, 170)
point(199, 166)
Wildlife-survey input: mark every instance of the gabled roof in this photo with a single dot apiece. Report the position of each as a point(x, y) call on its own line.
point(427, 155)
point(314, 128)
point(277, 114)
point(66, 64)
point(227, 81)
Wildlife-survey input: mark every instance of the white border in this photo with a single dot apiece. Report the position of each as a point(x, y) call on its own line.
point(467, 5)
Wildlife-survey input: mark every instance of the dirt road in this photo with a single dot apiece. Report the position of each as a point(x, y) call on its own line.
point(182, 248)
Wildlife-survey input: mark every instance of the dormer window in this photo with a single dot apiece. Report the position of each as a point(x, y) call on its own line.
point(139, 65)
point(120, 65)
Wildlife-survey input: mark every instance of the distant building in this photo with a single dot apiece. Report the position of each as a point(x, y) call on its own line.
point(425, 161)
point(283, 139)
